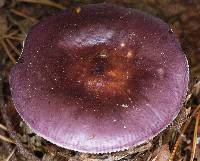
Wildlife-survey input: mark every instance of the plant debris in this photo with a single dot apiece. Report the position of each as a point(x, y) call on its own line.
point(179, 142)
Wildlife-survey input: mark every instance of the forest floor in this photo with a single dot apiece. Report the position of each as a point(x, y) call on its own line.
point(182, 138)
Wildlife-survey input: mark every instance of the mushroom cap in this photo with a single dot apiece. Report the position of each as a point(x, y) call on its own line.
point(100, 80)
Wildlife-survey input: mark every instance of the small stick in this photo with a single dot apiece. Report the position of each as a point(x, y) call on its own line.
point(6, 139)
point(11, 154)
point(13, 47)
point(14, 38)
point(44, 2)
point(18, 13)
point(149, 157)
point(3, 127)
point(12, 33)
point(28, 155)
point(8, 52)
point(182, 132)
point(181, 159)
point(195, 137)
point(8, 28)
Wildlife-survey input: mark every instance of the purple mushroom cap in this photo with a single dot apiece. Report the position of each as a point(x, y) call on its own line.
point(100, 80)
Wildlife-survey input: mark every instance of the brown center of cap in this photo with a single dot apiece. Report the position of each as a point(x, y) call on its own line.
point(104, 73)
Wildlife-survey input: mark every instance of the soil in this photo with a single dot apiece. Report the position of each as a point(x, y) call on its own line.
point(179, 142)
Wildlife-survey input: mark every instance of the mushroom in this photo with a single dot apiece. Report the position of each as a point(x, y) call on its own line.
point(100, 80)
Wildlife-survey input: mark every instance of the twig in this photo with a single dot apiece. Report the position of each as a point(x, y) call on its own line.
point(45, 2)
point(8, 28)
point(14, 38)
point(13, 134)
point(8, 52)
point(182, 132)
point(13, 47)
point(11, 154)
point(6, 139)
point(181, 159)
point(195, 137)
point(18, 13)
point(3, 127)
point(12, 33)
point(149, 157)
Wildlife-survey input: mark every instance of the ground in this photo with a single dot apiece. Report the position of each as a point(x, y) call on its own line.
point(180, 141)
